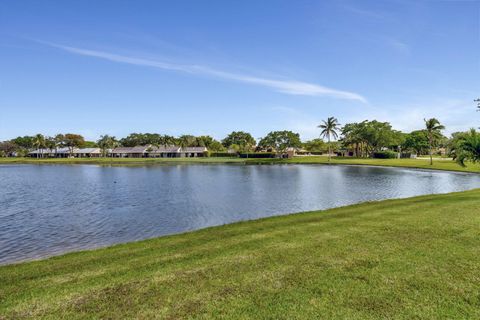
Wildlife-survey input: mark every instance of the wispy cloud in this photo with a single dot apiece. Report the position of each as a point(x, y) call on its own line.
point(399, 46)
point(285, 86)
point(365, 13)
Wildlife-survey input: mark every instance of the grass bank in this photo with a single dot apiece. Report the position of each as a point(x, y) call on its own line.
point(439, 164)
point(413, 258)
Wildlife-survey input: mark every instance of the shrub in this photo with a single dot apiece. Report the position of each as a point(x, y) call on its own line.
point(222, 154)
point(385, 155)
point(258, 155)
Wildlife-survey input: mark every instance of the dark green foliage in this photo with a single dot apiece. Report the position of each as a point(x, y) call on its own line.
point(243, 140)
point(385, 155)
point(370, 136)
point(417, 141)
point(257, 155)
point(281, 140)
point(315, 145)
point(468, 148)
point(222, 154)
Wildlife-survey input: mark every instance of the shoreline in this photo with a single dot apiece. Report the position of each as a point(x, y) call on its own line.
point(319, 211)
point(441, 165)
point(392, 239)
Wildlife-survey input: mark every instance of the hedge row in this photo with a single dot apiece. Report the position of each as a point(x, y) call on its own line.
point(258, 155)
point(385, 155)
point(222, 154)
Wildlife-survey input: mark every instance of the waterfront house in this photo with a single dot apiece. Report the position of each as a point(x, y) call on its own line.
point(65, 153)
point(193, 152)
point(122, 152)
point(130, 152)
point(87, 153)
point(49, 153)
point(164, 152)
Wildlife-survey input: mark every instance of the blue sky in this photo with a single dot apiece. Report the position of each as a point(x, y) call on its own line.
point(210, 67)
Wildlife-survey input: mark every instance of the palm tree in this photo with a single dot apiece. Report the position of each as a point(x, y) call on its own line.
point(50, 144)
point(329, 130)
point(469, 148)
point(433, 127)
point(39, 142)
point(59, 142)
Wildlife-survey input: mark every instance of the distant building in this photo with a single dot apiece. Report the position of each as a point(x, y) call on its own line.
point(191, 152)
point(129, 152)
point(87, 153)
point(65, 153)
point(158, 152)
point(164, 152)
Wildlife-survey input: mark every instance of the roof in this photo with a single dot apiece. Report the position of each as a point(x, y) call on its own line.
point(87, 150)
point(194, 149)
point(139, 149)
point(165, 149)
point(48, 151)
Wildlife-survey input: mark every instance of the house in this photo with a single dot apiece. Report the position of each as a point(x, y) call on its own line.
point(50, 153)
point(66, 153)
point(193, 152)
point(176, 152)
point(164, 152)
point(122, 152)
point(87, 153)
point(130, 152)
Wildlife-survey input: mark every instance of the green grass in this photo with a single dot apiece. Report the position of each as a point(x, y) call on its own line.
point(449, 165)
point(415, 258)
point(410, 163)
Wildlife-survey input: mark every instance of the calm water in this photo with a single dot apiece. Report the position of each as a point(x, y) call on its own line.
point(47, 210)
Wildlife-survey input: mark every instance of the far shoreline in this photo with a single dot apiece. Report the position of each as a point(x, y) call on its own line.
point(439, 165)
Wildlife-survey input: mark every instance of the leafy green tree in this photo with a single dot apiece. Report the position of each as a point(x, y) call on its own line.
point(281, 140)
point(315, 145)
point(72, 141)
point(243, 140)
point(25, 142)
point(134, 139)
point(468, 148)
point(416, 141)
point(90, 144)
point(434, 134)
point(353, 137)
point(368, 137)
point(210, 143)
point(329, 130)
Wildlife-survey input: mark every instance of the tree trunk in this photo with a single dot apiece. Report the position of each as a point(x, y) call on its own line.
point(329, 150)
point(430, 151)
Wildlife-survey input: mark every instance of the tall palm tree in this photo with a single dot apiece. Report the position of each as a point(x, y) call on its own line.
point(50, 144)
point(329, 130)
point(39, 142)
point(433, 128)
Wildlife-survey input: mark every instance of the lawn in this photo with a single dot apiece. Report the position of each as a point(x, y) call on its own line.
point(439, 164)
point(415, 258)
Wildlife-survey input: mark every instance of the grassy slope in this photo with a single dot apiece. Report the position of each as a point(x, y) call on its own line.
point(399, 259)
point(412, 163)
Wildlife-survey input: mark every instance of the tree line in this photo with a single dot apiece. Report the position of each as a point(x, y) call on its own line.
point(359, 139)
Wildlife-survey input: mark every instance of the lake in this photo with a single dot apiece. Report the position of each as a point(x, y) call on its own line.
point(51, 209)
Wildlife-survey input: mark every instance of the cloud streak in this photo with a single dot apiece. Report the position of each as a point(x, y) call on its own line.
point(292, 87)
